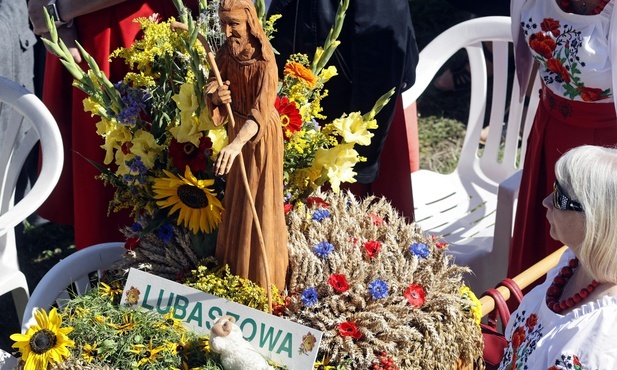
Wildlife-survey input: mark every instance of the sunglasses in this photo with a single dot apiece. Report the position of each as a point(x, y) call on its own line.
point(562, 202)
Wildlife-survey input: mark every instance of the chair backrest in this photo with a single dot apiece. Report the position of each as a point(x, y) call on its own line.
point(500, 157)
point(25, 122)
point(74, 275)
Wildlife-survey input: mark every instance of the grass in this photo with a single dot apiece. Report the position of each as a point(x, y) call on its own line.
point(441, 133)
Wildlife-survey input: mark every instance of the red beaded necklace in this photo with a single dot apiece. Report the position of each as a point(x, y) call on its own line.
point(566, 5)
point(554, 292)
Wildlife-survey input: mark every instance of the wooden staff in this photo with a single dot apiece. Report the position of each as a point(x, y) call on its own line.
point(232, 122)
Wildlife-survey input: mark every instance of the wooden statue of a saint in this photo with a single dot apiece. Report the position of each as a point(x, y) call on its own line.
point(248, 69)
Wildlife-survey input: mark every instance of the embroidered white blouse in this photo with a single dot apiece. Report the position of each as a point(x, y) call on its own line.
point(585, 42)
point(585, 338)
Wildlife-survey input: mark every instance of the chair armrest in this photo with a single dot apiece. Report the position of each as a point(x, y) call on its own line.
point(525, 278)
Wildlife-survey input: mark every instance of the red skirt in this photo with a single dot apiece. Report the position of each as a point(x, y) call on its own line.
point(559, 125)
point(80, 199)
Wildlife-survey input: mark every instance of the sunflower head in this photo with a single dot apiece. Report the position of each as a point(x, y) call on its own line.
point(45, 342)
point(200, 209)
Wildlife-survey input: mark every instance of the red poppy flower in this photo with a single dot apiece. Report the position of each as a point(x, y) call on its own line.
point(439, 245)
point(518, 337)
point(542, 45)
point(287, 207)
point(349, 329)
point(415, 295)
point(591, 94)
point(376, 220)
point(551, 25)
point(576, 361)
point(131, 243)
point(187, 154)
point(291, 120)
point(317, 201)
point(555, 65)
point(372, 247)
point(338, 282)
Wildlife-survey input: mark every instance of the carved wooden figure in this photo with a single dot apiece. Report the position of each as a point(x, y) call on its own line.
point(247, 65)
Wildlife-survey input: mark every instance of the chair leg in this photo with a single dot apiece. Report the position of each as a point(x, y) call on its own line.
point(20, 297)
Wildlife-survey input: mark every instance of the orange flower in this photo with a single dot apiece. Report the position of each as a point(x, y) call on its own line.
point(591, 94)
point(300, 72)
point(550, 25)
point(542, 45)
point(556, 66)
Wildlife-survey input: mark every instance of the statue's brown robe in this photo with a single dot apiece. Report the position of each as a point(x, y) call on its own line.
point(253, 85)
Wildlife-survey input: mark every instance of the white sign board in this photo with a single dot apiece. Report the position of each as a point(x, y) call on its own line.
point(282, 341)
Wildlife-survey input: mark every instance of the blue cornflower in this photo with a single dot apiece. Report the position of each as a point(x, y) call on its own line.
point(309, 297)
point(420, 250)
point(136, 227)
point(165, 233)
point(321, 214)
point(323, 249)
point(378, 289)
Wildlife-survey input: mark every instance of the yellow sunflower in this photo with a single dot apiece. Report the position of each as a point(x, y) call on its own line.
point(200, 209)
point(44, 342)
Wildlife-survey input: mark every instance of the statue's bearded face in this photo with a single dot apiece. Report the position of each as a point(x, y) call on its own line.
point(235, 25)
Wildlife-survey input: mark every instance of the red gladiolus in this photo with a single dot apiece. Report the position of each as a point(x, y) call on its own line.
point(291, 120)
point(372, 247)
point(415, 295)
point(187, 154)
point(338, 282)
point(317, 201)
point(349, 329)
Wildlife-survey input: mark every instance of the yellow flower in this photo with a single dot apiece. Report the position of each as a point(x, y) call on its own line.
point(200, 209)
point(92, 106)
point(150, 354)
point(219, 140)
point(89, 352)
point(145, 146)
point(353, 129)
point(44, 342)
point(338, 164)
point(300, 72)
point(327, 73)
point(475, 305)
point(110, 291)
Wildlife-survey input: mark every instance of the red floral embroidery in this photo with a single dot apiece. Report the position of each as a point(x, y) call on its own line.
point(372, 247)
point(415, 295)
point(291, 120)
point(591, 93)
point(542, 44)
point(518, 337)
point(531, 322)
point(317, 201)
point(551, 25)
point(349, 329)
point(555, 65)
point(338, 282)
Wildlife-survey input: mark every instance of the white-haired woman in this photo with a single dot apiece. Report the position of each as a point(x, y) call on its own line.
point(570, 321)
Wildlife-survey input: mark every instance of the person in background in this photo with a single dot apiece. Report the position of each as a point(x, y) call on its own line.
point(572, 43)
point(378, 51)
point(570, 321)
point(100, 26)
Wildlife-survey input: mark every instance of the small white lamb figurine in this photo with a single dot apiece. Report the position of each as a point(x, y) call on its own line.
point(236, 353)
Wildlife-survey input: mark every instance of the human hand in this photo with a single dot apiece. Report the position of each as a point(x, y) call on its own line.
point(222, 95)
point(226, 158)
point(68, 35)
point(37, 17)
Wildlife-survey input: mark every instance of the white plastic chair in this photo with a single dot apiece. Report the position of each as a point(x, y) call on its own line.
point(74, 275)
point(468, 207)
point(29, 122)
